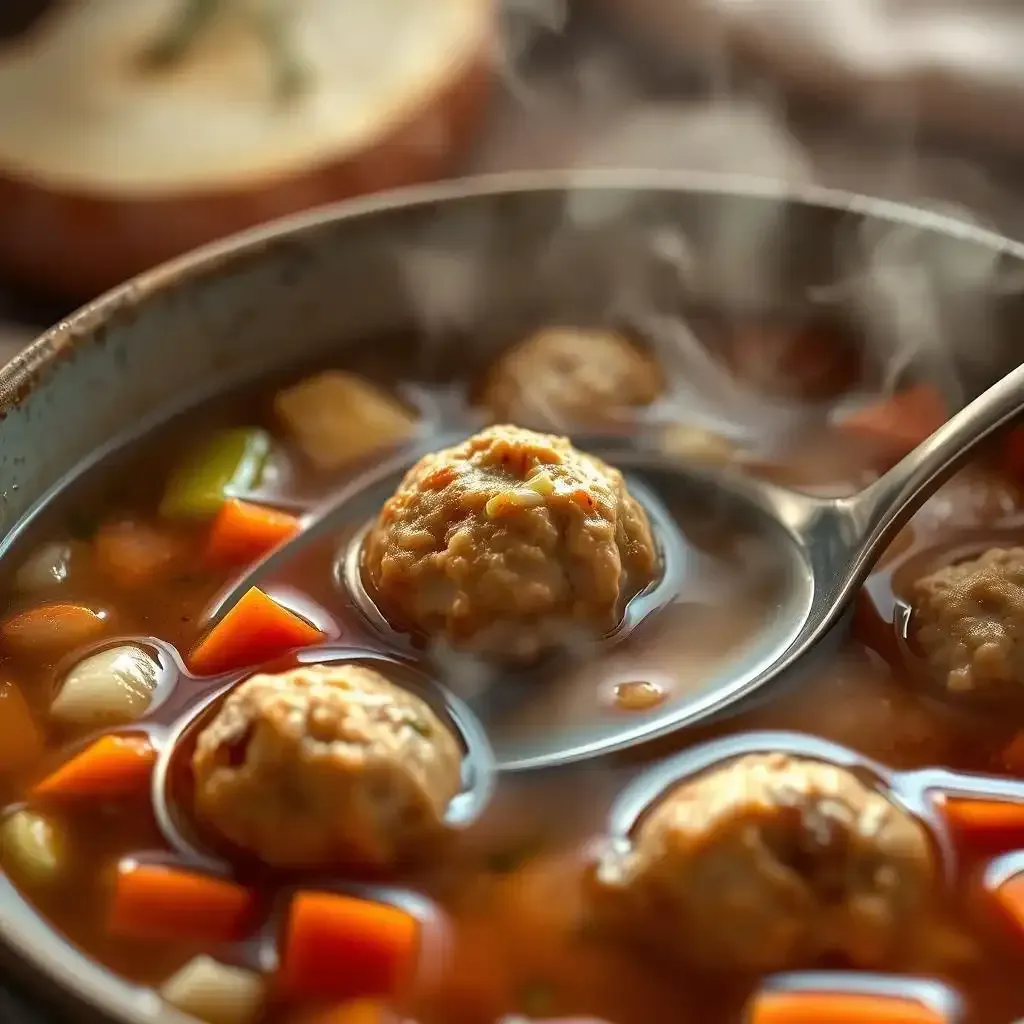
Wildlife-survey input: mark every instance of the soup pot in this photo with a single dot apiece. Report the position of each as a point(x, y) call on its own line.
point(482, 262)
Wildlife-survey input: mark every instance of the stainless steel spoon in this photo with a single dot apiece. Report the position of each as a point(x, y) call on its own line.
point(828, 544)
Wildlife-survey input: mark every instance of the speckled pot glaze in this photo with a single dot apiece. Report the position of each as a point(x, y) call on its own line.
point(482, 260)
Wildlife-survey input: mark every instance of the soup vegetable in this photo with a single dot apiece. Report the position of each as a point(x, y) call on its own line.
point(305, 809)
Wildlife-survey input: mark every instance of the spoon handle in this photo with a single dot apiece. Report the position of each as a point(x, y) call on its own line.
point(881, 509)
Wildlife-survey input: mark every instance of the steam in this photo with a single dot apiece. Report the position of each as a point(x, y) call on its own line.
point(922, 302)
point(920, 306)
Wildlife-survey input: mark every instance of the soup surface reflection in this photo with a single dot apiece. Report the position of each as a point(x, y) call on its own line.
point(315, 809)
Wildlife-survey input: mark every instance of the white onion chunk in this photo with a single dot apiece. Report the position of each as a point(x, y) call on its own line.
point(215, 992)
point(113, 687)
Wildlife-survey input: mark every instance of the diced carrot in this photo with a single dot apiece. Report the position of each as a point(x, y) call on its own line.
point(136, 554)
point(155, 901)
point(899, 423)
point(244, 532)
point(255, 630)
point(20, 740)
point(809, 1007)
point(50, 630)
point(1012, 757)
point(340, 947)
point(984, 824)
point(112, 767)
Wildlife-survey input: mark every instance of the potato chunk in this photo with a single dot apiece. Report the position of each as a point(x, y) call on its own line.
point(336, 418)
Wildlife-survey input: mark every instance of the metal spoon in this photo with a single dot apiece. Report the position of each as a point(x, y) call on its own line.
point(828, 546)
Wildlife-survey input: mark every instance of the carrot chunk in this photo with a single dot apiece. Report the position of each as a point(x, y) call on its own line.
point(50, 630)
point(810, 1007)
point(112, 767)
point(244, 532)
point(340, 947)
point(984, 824)
point(20, 739)
point(154, 901)
point(136, 554)
point(899, 423)
point(255, 630)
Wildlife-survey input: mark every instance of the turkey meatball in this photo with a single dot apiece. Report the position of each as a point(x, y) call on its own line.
point(968, 623)
point(325, 765)
point(507, 543)
point(769, 863)
point(563, 377)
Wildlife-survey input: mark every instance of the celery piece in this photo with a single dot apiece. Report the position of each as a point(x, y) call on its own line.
point(227, 462)
point(32, 848)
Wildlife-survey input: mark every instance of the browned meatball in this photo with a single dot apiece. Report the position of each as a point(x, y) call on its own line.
point(562, 377)
point(325, 765)
point(506, 542)
point(969, 624)
point(769, 863)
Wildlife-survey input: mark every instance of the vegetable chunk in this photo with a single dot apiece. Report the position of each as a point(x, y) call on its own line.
point(153, 901)
point(34, 848)
point(111, 768)
point(339, 947)
point(112, 687)
point(336, 418)
point(224, 464)
point(243, 532)
point(255, 630)
point(50, 630)
point(215, 992)
point(20, 739)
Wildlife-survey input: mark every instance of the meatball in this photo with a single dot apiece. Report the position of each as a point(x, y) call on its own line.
point(507, 542)
point(325, 765)
point(769, 863)
point(968, 623)
point(562, 377)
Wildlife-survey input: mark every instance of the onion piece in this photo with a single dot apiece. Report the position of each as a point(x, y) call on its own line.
point(112, 687)
point(215, 992)
point(33, 848)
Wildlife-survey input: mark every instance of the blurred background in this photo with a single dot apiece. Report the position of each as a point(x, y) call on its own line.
point(134, 129)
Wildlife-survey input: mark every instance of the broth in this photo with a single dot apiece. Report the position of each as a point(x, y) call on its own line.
point(506, 929)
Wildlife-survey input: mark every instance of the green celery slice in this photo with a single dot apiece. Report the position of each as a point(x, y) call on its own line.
point(225, 463)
